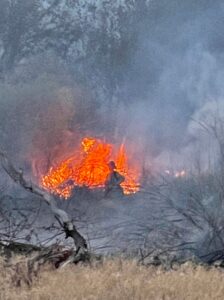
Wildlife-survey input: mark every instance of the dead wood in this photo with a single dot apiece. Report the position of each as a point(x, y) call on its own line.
point(80, 250)
point(9, 249)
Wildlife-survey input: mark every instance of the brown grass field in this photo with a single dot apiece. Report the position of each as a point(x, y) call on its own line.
point(114, 279)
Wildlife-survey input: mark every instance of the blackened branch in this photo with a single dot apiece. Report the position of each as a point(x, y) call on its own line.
point(63, 218)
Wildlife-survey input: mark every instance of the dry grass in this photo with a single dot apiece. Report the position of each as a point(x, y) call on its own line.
point(116, 279)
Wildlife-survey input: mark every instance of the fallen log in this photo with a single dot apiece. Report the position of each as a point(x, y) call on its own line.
point(9, 249)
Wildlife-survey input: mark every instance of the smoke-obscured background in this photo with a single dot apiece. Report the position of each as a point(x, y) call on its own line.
point(138, 70)
point(149, 73)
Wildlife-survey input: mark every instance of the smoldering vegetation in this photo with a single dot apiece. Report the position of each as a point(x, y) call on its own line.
point(149, 73)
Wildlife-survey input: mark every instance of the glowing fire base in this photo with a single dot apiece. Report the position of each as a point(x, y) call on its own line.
point(88, 167)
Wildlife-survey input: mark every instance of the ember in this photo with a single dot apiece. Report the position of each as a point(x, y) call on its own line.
point(88, 166)
point(176, 174)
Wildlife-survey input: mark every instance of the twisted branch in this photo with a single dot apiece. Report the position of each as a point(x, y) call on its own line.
point(61, 216)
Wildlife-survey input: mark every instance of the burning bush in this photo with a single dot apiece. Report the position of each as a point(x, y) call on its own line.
point(88, 166)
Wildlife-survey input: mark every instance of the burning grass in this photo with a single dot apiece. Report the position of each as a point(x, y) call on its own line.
point(88, 166)
point(116, 279)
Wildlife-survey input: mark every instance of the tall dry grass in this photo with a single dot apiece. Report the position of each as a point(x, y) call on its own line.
point(115, 279)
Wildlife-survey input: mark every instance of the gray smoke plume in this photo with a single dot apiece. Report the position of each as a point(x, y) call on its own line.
point(144, 73)
point(147, 73)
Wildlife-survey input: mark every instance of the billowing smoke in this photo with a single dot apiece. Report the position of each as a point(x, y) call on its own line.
point(143, 83)
point(146, 73)
point(174, 74)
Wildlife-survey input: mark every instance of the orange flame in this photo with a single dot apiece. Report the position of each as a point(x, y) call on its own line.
point(89, 167)
point(129, 185)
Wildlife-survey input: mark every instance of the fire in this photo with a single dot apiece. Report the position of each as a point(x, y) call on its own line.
point(180, 174)
point(129, 185)
point(176, 174)
point(88, 166)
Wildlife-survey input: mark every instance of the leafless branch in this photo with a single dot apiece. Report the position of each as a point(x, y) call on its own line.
point(61, 216)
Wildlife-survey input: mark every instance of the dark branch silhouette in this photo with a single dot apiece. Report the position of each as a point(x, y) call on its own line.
point(61, 216)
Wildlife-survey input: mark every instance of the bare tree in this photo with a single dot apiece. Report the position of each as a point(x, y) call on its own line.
point(62, 217)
